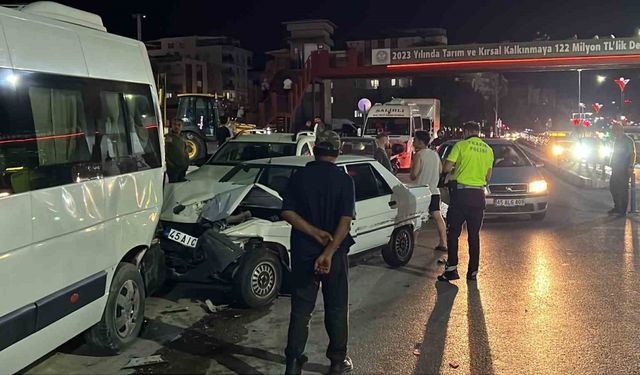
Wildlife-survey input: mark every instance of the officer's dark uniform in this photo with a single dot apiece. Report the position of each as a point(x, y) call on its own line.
point(622, 161)
point(177, 157)
point(321, 193)
point(473, 159)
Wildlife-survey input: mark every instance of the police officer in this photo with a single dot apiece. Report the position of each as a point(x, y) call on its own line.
point(319, 204)
point(623, 160)
point(176, 153)
point(473, 162)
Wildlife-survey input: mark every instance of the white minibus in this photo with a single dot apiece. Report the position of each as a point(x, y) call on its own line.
point(81, 174)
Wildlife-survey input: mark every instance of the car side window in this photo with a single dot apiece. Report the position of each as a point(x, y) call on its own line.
point(306, 151)
point(276, 178)
point(368, 183)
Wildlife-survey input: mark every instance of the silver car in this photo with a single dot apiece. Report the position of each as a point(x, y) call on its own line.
point(516, 188)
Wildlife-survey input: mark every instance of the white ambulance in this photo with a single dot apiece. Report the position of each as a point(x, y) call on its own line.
point(400, 119)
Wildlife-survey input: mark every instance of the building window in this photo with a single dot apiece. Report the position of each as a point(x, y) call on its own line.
point(170, 45)
point(332, 100)
point(394, 82)
point(374, 84)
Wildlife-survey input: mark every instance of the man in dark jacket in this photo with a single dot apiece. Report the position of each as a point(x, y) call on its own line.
point(622, 163)
point(320, 214)
point(176, 153)
point(380, 153)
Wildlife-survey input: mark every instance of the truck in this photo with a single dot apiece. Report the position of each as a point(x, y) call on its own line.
point(400, 119)
point(201, 116)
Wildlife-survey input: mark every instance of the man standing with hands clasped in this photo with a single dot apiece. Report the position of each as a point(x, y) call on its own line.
point(473, 162)
point(319, 204)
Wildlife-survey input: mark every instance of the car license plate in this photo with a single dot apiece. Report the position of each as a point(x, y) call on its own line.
point(182, 238)
point(509, 202)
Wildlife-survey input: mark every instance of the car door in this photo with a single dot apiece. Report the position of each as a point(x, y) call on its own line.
point(375, 209)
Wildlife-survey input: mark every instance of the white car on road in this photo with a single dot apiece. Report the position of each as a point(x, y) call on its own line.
point(235, 232)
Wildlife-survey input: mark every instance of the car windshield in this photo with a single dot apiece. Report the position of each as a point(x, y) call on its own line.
point(504, 155)
point(275, 177)
point(508, 156)
point(362, 147)
point(389, 125)
point(237, 152)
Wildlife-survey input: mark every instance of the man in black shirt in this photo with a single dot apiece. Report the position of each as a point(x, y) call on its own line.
point(380, 153)
point(622, 163)
point(222, 134)
point(319, 204)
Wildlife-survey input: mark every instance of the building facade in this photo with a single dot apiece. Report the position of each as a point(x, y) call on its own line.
point(227, 64)
point(346, 93)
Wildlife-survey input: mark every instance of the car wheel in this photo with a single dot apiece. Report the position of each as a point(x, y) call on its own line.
point(196, 148)
point(257, 282)
point(400, 248)
point(123, 314)
point(539, 217)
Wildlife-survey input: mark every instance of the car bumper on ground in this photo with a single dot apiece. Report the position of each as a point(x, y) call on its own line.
point(516, 205)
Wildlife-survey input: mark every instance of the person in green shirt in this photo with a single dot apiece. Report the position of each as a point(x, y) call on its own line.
point(471, 160)
point(177, 156)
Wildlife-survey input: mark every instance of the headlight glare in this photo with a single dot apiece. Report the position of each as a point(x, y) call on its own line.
point(538, 186)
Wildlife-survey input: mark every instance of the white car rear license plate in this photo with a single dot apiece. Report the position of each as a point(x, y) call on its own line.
point(182, 238)
point(509, 202)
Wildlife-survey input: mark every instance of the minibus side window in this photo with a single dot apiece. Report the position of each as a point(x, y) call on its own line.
point(56, 130)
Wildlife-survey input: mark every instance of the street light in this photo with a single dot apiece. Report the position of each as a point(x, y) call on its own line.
point(601, 79)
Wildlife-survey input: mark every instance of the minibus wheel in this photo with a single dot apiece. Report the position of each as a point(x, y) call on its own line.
point(123, 314)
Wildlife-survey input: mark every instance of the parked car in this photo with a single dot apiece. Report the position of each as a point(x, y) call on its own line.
point(252, 146)
point(516, 188)
point(235, 232)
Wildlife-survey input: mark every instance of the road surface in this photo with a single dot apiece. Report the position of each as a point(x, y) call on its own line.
point(553, 297)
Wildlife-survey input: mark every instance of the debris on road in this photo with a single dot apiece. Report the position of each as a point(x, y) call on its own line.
point(454, 364)
point(416, 349)
point(144, 361)
point(237, 316)
point(215, 308)
point(175, 311)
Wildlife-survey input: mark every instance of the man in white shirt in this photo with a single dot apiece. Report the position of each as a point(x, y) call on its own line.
point(425, 170)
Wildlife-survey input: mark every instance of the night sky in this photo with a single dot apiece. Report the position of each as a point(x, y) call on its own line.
point(257, 22)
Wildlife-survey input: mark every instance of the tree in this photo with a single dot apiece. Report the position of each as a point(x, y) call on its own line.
point(491, 86)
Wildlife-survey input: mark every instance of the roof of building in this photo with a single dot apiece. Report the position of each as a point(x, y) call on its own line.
point(319, 20)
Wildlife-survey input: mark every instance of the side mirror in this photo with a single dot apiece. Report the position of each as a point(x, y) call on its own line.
point(539, 165)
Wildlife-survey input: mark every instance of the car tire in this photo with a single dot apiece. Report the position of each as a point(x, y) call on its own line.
point(400, 248)
point(196, 147)
point(258, 280)
point(538, 217)
point(123, 315)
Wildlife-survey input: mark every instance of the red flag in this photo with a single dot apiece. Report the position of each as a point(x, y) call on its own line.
point(622, 82)
point(597, 107)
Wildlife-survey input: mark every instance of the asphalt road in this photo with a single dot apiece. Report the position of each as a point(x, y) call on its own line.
point(554, 297)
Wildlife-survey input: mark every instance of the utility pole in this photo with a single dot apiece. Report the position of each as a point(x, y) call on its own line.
point(139, 17)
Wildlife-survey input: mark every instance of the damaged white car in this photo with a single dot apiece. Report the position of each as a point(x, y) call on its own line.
point(236, 234)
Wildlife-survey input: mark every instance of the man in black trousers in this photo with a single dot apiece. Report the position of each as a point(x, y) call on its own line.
point(623, 160)
point(319, 204)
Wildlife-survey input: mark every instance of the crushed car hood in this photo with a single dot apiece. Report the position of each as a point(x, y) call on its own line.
point(215, 201)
